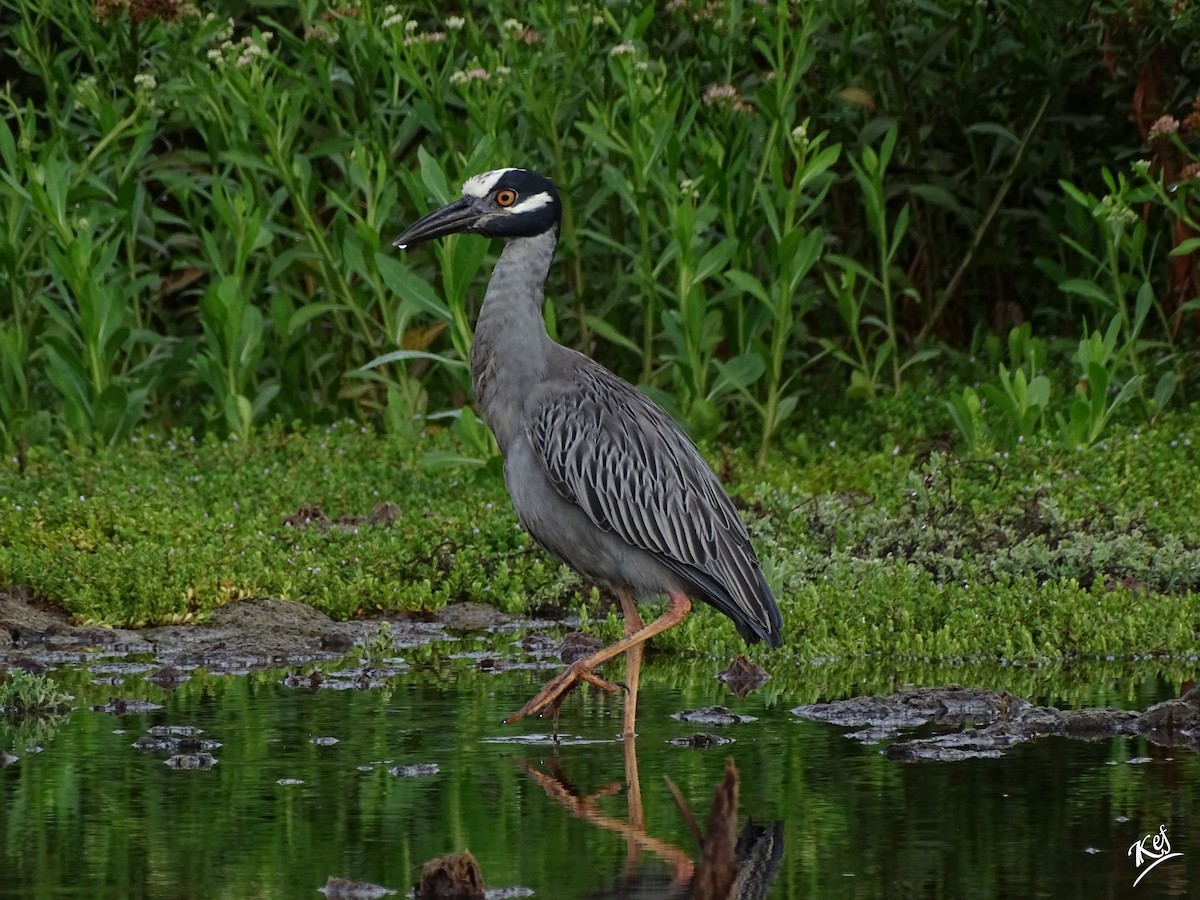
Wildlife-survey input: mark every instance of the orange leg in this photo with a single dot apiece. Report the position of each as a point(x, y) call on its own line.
point(633, 664)
point(594, 680)
point(634, 831)
point(677, 611)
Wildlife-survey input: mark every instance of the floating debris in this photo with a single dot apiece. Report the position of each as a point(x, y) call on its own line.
point(700, 741)
point(120, 706)
point(323, 741)
point(539, 644)
point(169, 677)
point(419, 770)
point(360, 679)
point(288, 782)
point(120, 668)
point(311, 681)
point(713, 715)
point(162, 744)
point(343, 889)
point(192, 761)
point(534, 739)
point(913, 751)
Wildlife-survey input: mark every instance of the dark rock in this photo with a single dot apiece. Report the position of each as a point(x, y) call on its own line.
point(1171, 715)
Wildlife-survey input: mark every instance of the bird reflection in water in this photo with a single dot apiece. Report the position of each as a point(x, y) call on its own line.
point(729, 866)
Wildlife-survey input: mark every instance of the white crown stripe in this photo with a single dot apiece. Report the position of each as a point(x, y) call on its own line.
point(481, 185)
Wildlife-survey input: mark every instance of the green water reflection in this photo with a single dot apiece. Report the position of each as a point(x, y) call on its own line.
point(92, 816)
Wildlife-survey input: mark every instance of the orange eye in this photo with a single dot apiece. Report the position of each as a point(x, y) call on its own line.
point(506, 197)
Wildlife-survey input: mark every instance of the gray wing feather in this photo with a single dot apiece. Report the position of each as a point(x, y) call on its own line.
point(623, 461)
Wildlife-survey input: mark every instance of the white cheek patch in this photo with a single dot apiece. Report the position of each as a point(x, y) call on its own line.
point(481, 185)
point(537, 201)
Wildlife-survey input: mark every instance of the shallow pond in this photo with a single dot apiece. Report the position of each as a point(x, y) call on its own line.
point(282, 810)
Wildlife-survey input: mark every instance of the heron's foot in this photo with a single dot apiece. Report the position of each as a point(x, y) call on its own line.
point(549, 698)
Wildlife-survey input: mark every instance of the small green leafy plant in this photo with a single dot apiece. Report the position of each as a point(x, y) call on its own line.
point(25, 695)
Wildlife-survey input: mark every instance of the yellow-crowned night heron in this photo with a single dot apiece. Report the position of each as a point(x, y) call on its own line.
point(599, 475)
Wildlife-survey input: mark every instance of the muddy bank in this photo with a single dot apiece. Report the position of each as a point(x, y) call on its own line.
point(251, 634)
point(272, 633)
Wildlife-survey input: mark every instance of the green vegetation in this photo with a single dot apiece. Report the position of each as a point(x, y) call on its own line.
point(769, 208)
point(1038, 553)
point(26, 695)
point(797, 224)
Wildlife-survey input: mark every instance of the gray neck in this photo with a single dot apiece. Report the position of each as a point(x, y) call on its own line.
point(511, 348)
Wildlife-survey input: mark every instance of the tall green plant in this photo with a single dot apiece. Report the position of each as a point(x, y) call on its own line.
point(867, 293)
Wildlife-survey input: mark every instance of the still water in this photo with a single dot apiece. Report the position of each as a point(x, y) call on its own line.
point(278, 814)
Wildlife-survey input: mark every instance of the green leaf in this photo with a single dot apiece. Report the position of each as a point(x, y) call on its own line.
point(1186, 246)
point(994, 129)
point(306, 313)
point(1165, 389)
point(401, 281)
point(445, 459)
point(748, 284)
point(611, 334)
point(938, 196)
point(738, 373)
point(406, 355)
point(1088, 289)
point(715, 260)
point(433, 177)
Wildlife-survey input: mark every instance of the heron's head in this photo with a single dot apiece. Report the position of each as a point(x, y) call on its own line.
point(504, 203)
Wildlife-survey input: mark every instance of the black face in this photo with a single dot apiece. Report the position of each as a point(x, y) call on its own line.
point(505, 203)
